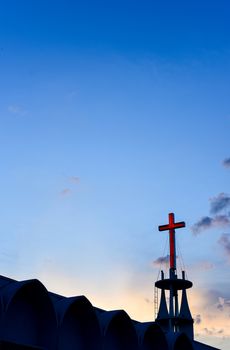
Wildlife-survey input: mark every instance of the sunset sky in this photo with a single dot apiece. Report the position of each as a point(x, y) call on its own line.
point(113, 114)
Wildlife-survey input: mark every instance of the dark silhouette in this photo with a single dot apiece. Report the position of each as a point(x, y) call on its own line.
point(33, 318)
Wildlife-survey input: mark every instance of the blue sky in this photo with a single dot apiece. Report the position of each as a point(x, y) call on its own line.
point(114, 114)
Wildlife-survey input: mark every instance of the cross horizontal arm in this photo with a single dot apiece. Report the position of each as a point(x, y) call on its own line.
point(171, 227)
point(164, 228)
point(179, 224)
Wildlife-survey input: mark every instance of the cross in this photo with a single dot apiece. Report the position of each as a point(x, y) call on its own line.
point(171, 227)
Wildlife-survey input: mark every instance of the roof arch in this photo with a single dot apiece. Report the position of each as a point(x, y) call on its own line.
point(118, 331)
point(151, 336)
point(182, 341)
point(78, 325)
point(29, 317)
point(1, 310)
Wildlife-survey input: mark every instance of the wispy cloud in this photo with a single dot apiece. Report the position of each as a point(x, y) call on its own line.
point(202, 265)
point(197, 319)
point(219, 299)
point(74, 179)
point(203, 224)
point(65, 192)
point(73, 94)
point(224, 241)
point(211, 311)
point(208, 222)
point(148, 301)
point(213, 331)
point(219, 203)
point(161, 261)
point(223, 304)
point(226, 163)
point(15, 109)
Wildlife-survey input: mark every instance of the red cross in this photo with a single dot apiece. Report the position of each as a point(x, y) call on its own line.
point(171, 227)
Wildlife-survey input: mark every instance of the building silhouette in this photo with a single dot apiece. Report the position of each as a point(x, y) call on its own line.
point(33, 318)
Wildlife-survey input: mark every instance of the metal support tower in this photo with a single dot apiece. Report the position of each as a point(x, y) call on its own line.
point(171, 317)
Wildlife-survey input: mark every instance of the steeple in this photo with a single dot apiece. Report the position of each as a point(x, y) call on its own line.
point(184, 308)
point(163, 314)
point(176, 319)
point(163, 310)
point(185, 317)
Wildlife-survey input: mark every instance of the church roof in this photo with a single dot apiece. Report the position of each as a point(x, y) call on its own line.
point(33, 318)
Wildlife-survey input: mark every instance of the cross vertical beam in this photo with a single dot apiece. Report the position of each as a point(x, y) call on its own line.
point(172, 225)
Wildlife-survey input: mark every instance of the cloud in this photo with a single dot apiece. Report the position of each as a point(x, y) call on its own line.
point(148, 301)
point(68, 190)
point(213, 331)
point(14, 109)
point(226, 163)
point(224, 241)
point(203, 224)
point(219, 299)
point(208, 222)
point(65, 192)
point(203, 265)
point(209, 320)
point(162, 261)
point(73, 94)
point(221, 220)
point(222, 201)
point(74, 179)
point(217, 204)
point(197, 319)
point(223, 304)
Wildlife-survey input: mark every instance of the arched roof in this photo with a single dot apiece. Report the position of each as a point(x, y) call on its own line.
point(1, 310)
point(29, 317)
point(151, 336)
point(118, 331)
point(78, 325)
point(182, 341)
